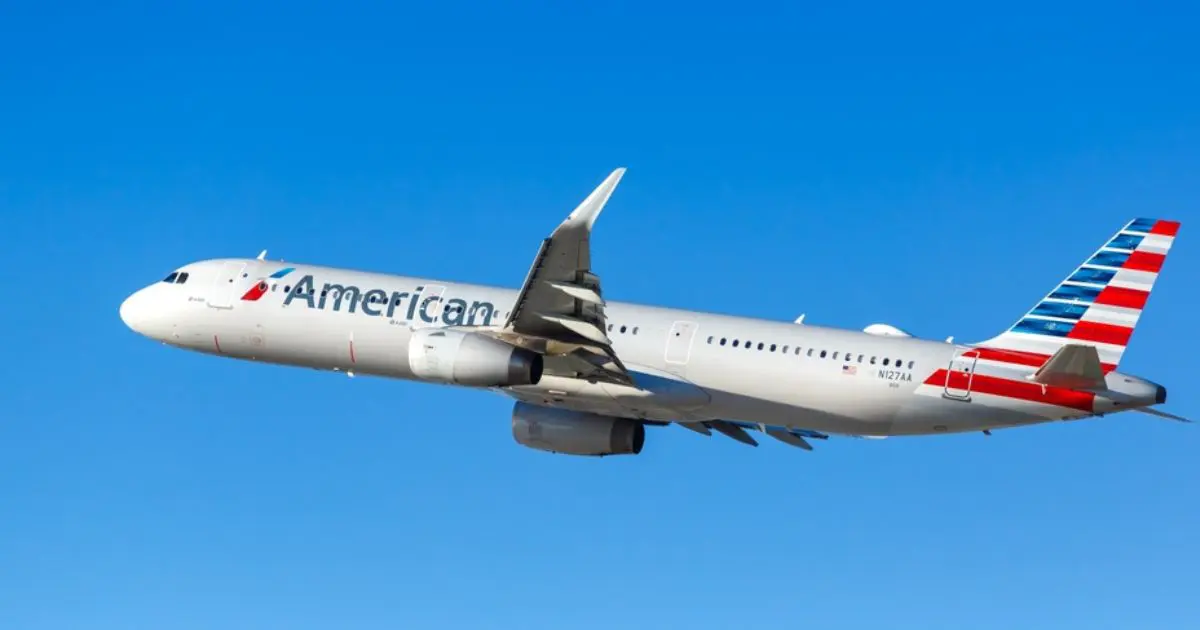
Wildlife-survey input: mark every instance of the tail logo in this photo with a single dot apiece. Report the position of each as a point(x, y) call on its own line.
point(1100, 302)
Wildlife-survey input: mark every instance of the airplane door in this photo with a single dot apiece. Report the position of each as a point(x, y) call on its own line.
point(679, 345)
point(225, 285)
point(960, 374)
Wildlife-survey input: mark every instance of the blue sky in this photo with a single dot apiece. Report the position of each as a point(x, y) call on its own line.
point(936, 167)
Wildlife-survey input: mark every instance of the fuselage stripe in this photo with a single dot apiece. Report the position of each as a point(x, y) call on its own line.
point(1033, 392)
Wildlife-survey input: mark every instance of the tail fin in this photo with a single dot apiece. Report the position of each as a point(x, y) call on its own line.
point(1100, 303)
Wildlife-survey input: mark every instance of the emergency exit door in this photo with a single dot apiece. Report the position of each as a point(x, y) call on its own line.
point(679, 345)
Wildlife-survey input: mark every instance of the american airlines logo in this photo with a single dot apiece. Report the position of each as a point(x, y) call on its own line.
point(451, 311)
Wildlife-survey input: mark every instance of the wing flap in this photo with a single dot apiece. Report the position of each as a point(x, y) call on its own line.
point(787, 437)
point(733, 431)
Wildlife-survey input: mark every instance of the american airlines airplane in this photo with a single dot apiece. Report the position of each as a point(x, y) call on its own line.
point(589, 375)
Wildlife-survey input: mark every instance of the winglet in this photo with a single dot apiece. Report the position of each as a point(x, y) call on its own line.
point(587, 211)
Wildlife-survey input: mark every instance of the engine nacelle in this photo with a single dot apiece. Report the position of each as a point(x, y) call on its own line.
point(465, 358)
point(575, 432)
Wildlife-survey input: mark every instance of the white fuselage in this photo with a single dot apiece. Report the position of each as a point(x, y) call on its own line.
point(687, 365)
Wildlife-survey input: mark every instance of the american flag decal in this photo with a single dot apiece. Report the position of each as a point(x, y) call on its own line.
point(849, 370)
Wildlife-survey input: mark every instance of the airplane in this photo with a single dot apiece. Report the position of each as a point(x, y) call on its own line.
point(589, 376)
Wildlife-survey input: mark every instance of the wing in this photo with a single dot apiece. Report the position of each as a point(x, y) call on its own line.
point(560, 311)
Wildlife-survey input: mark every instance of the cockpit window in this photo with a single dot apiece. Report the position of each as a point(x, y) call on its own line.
point(171, 278)
point(182, 278)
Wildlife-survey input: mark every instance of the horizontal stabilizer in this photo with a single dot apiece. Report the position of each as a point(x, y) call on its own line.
point(1163, 414)
point(1073, 366)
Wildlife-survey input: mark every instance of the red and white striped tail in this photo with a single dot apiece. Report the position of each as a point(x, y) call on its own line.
point(1099, 304)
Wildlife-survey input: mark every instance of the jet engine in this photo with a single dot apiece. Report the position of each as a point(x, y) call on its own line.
point(575, 432)
point(466, 358)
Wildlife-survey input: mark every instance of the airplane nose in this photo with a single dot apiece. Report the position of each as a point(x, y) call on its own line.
point(133, 311)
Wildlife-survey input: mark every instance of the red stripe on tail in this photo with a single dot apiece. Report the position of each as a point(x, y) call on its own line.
point(1166, 228)
point(1018, 357)
point(1101, 333)
point(1144, 261)
point(1120, 296)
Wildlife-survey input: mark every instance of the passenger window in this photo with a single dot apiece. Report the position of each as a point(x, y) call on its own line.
point(772, 347)
point(760, 345)
point(860, 358)
point(885, 361)
point(171, 278)
point(710, 340)
point(822, 354)
point(735, 343)
point(810, 351)
point(622, 330)
point(910, 365)
point(635, 330)
point(897, 362)
point(723, 341)
point(610, 327)
point(783, 349)
point(288, 289)
point(797, 350)
point(834, 357)
point(872, 360)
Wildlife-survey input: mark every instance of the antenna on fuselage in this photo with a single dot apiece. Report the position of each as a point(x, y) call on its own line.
point(800, 320)
point(262, 255)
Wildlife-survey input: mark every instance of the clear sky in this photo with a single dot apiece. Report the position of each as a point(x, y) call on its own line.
point(936, 167)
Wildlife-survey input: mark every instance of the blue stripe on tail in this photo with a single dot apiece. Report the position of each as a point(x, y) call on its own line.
point(1035, 326)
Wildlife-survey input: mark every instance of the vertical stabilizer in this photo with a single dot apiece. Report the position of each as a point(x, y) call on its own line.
point(1099, 304)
